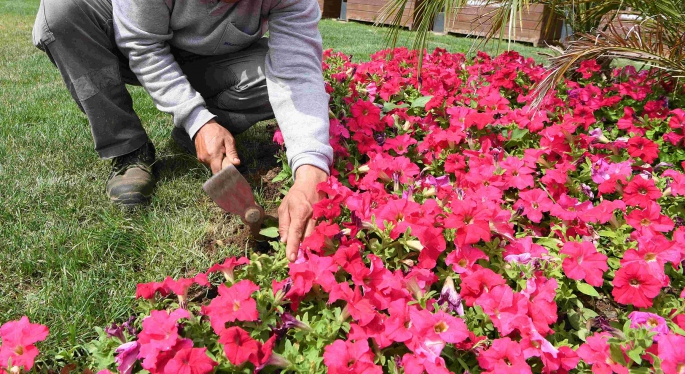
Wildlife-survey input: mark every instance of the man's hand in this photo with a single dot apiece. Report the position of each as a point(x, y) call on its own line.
point(295, 212)
point(213, 144)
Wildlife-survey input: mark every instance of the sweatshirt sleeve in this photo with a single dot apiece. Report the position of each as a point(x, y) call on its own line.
point(295, 83)
point(142, 33)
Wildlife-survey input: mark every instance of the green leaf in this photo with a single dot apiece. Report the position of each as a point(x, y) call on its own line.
point(421, 101)
point(634, 355)
point(617, 354)
point(518, 134)
point(388, 106)
point(587, 289)
point(550, 243)
point(283, 175)
point(607, 233)
point(270, 232)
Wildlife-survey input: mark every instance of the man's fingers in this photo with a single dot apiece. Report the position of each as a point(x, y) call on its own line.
point(311, 225)
point(283, 221)
point(231, 153)
point(215, 165)
point(295, 233)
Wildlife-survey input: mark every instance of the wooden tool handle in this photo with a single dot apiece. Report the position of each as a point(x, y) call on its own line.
point(225, 162)
point(253, 217)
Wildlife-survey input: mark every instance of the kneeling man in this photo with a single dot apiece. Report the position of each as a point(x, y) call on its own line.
point(206, 63)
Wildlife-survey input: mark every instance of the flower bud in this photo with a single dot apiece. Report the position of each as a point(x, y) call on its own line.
point(115, 331)
point(413, 287)
point(363, 169)
point(429, 192)
point(274, 360)
point(449, 298)
point(415, 245)
point(345, 314)
point(290, 322)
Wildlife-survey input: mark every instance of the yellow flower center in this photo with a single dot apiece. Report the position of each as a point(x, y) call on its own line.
point(441, 327)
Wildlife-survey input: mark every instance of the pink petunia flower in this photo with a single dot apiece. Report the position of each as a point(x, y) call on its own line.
point(650, 321)
point(584, 262)
point(127, 354)
point(595, 351)
point(672, 354)
point(18, 339)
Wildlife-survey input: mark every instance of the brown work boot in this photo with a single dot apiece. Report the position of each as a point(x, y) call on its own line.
point(131, 182)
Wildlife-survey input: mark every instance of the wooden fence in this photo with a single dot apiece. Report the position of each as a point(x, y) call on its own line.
point(370, 10)
point(476, 19)
point(472, 19)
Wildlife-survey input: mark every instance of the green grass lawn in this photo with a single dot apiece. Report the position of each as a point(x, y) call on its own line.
point(68, 258)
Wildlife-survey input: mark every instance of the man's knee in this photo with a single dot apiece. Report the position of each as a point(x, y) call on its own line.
point(62, 16)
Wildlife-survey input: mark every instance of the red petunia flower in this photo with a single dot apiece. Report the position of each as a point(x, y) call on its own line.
point(397, 326)
point(534, 203)
point(148, 290)
point(400, 144)
point(653, 252)
point(430, 326)
point(348, 357)
point(503, 356)
point(180, 286)
point(584, 262)
point(643, 148)
point(640, 192)
point(227, 267)
point(480, 281)
point(471, 221)
point(568, 208)
point(603, 212)
point(366, 113)
point(319, 270)
point(595, 351)
point(635, 286)
point(156, 360)
point(462, 259)
point(649, 220)
point(190, 361)
point(160, 330)
point(677, 185)
point(507, 309)
point(239, 347)
point(422, 362)
point(232, 304)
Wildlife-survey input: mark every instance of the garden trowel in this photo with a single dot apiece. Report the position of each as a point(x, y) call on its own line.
point(229, 189)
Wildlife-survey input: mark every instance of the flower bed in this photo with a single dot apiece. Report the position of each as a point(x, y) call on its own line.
point(461, 231)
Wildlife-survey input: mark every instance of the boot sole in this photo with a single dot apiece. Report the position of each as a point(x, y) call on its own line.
point(130, 199)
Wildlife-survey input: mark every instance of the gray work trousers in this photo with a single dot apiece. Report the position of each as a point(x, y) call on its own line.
point(78, 37)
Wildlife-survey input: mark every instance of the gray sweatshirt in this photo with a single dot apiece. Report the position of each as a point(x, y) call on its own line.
point(145, 30)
